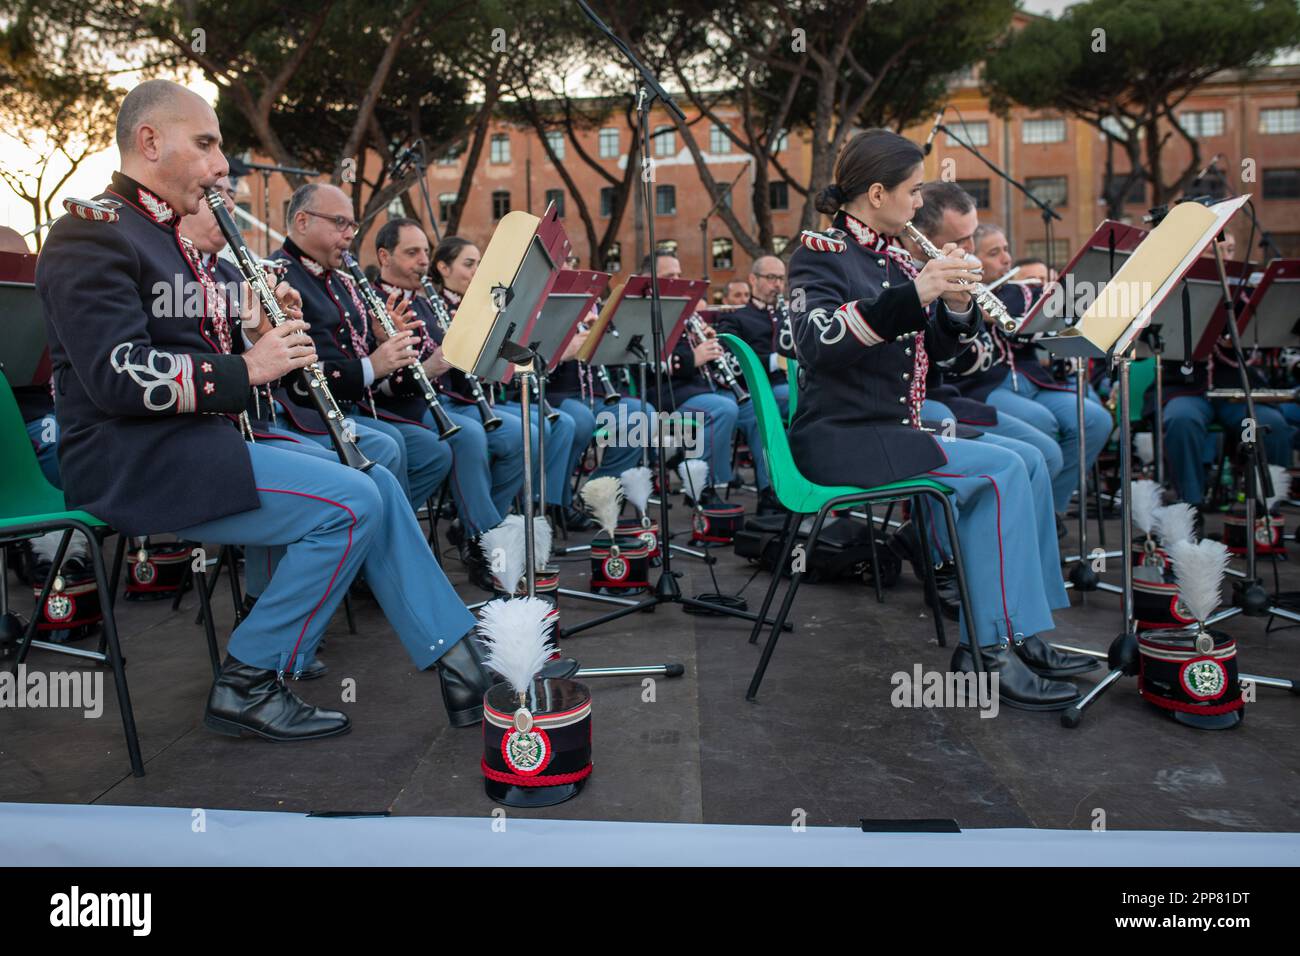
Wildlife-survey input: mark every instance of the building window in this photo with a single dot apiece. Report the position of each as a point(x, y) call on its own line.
point(975, 132)
point(614, 258)
point(1042, 131)
point(395, 208)
point(607, 201)
point(608, 143)
point(555, 140)
point(1281, 184)
point(1280, 120)
point(718, 142)
point(555, 197)
point(1060, 250)
point(782, 142)
point(666, 247)
point(450, 158)
point(778, 195)
point(665, 138)
point(779, 244)
point(1137, 193)
point(500, 149)
point(1202, 123)
point(978, 189)
point(722, 254)
point(1117, 129)
point(665, 200)
point(445, 202)
point(1049, 189)
point(500, 203)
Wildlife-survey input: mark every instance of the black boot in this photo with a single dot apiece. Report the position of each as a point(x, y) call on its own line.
point(1018, 686)
point(312, 671)
point(250, 700)
point(571, 519)
point(1045, 660)
point(476, 565)
point(945, 583)
point(464, 681)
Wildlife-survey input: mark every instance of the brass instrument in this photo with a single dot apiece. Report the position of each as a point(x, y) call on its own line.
point(317, 388)
point(446, 427)
point(720, 370)
point(990, 304)
point(490, 420)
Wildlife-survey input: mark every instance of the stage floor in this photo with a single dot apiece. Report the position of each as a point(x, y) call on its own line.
point(823, 744)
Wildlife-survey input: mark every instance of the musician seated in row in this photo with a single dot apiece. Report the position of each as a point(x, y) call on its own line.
point(454, 263)
point(159, 394)
point(737, 291)
point(764, 324)
point(321, 229)
point(488, 465)
point(861, 335)
point(692, 392)
point(1189, 411)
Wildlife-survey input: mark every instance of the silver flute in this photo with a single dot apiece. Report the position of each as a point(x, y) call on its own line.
point(989, 303)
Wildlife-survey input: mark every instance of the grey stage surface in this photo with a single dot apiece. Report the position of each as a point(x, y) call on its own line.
point(823, 743)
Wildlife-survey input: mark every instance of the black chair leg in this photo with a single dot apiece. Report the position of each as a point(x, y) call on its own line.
point(786, 603)
point(963, 591)
point(236, 591)
point(347, 610)
point(875, 555)
point(211, 584)
point(119, 557)
point(789, 534)
point(119, 670)
point(29, 634)
point(931, 589)
point(209, 626)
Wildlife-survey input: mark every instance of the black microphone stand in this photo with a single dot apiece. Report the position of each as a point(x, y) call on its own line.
point(666, 590)
point(1045, 208)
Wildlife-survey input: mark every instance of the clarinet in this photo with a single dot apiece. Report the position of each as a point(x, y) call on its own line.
point(720, 368)
point(446, 427)
point(611, 396)
point(987, 301)
point(344, 440)
point(485, 412)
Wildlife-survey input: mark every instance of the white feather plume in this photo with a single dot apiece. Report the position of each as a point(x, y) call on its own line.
point(1176, 523)
point(1144, 499)
point(543, 537)
point(503, 549)
point(1281, 485)
point(637, 487)
point(1198, 569)
point(517, 634)
point(694, 473)
point(604, 499)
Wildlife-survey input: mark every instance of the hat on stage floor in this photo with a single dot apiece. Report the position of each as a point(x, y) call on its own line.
point(1157, 604)
point(620, 563)
point(710, 523)
point(536, 731)
point(157, 571)
point(638, 483)
point(1191, 672)
point(506, 554)
point(1149, 560)
point(1270, 527)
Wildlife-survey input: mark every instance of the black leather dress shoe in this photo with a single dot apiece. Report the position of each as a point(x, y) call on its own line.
point(464, 681)
point(1047, 661)
point(456, 532)
point(572, 519)
point(476, 565)
point(708, 498)
point(945, 582)
point(249, 700)
point(1018, 686)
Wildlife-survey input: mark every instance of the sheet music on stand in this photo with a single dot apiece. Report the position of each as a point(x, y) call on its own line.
point(1274, 306)
point(568, 303)
point(1125, 305)
point(505, 297)
point(1089, 268)
point(629, 341)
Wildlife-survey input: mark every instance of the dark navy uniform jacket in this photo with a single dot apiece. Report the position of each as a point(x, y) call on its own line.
point(399, 395)
point(140, 390)
point(863, 357)
point(340, 329)
point(760, 329)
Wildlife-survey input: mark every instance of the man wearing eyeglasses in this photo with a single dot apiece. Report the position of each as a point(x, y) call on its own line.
point(321, 230)
point(768, 334)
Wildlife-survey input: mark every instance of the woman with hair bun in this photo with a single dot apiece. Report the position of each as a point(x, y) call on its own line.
point(867, 325)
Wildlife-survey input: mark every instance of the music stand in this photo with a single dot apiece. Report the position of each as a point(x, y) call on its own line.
point(1056, 310)
point(1274, 305)
point(488, 337)
point(1109, 329)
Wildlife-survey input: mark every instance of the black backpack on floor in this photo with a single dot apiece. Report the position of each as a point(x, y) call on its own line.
point(843, 549)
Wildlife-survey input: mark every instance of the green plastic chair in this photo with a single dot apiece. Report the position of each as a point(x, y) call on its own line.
point(802, 497)
point(31, 506)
